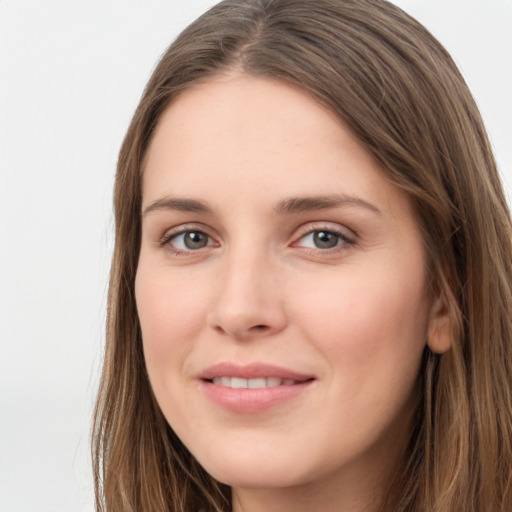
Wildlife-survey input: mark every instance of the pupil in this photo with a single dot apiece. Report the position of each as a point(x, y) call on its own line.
point(195, 240)
point(325, 240)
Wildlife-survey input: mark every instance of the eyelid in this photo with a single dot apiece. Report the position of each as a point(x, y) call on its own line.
point(182, 229)
point(347, 235)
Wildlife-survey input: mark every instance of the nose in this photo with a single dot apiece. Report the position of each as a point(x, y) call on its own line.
point(249, 300)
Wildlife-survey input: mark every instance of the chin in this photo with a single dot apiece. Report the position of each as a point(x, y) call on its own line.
point(264, 468)
point(261, 477)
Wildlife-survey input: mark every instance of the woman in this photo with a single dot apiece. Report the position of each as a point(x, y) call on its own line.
point(310, 294)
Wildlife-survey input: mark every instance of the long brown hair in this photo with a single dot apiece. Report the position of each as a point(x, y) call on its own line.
point(399, 92)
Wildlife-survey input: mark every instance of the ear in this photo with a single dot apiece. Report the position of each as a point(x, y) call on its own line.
point(439, 336)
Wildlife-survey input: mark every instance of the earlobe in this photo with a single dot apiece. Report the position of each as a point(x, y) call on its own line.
point(439, 336)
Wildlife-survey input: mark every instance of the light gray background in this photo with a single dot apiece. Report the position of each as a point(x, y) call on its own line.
point(71, 73)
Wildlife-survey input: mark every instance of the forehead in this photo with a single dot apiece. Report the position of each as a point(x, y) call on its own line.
point(261, 137)
point(252, 111)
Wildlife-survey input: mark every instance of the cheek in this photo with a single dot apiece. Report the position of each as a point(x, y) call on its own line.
point(371, 329)
point(170, 314)
point(367, 323)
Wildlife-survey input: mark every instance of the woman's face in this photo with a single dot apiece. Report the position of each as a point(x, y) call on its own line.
point(281, 289)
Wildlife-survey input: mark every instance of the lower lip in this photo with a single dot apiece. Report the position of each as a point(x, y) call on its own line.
point(247, 400)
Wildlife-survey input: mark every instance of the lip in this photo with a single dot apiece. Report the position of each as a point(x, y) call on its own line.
point(247, 400)
point(252, 371)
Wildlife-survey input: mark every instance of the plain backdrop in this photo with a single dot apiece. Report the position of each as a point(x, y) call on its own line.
point(71, 73)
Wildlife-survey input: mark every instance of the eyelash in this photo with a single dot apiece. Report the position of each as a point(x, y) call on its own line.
point(169, 236)
point(344, 240)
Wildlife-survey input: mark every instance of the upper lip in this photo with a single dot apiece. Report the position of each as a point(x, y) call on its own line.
point(252, 371)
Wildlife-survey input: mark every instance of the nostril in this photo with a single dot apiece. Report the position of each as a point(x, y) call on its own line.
point(259, 328)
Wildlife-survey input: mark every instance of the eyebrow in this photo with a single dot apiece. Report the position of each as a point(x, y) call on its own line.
point(305, 204)
point(285, 207)
point(176, 203)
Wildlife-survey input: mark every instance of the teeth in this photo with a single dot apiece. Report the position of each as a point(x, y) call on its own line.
point(257, 383)
point(238, 383)
point(273, 382)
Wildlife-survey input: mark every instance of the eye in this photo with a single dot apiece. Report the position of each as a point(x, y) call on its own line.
point(188, 241)
point(324, 239)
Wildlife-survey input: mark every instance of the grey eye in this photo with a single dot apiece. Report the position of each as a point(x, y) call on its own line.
point(326, 239)
point(321, 239)
point(190, 240)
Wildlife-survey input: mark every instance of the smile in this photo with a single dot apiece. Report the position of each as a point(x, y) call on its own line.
point(253, 388)
point(256, 383)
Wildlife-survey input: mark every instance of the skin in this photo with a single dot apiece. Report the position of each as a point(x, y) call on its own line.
point(356, 315)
